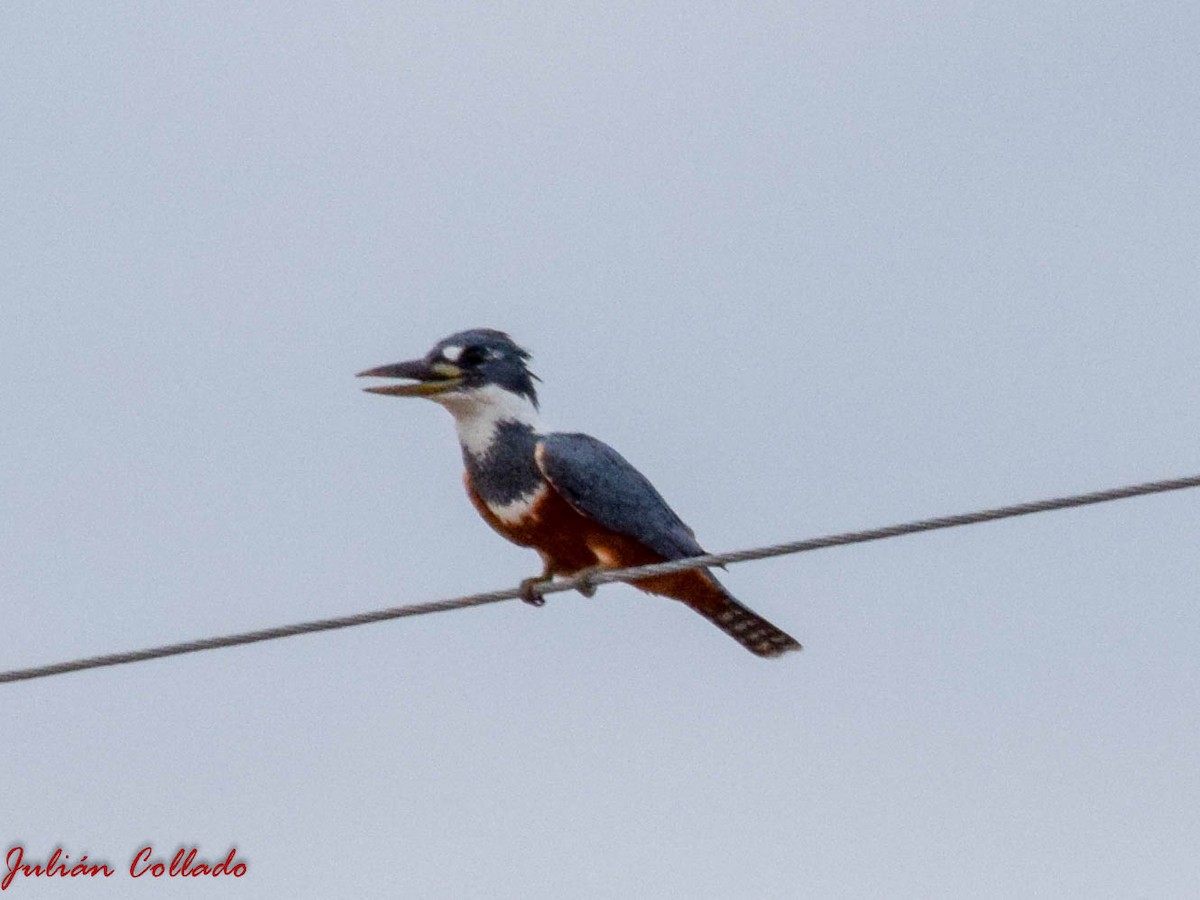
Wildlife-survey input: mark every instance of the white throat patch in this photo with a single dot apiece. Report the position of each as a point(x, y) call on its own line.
point(479, 411)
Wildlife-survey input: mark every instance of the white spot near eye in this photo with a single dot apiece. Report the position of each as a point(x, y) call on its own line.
point(452, 353)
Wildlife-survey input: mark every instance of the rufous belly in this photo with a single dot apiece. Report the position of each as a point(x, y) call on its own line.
point(569, 541)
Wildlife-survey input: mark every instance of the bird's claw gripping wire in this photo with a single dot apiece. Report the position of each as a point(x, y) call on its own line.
point(584, 584)
point(529, 589)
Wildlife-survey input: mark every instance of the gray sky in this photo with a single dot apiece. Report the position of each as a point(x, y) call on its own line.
point(810, 267)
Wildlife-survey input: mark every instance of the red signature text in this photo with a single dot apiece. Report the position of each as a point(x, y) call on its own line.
point(55, 867)
point(184, 865)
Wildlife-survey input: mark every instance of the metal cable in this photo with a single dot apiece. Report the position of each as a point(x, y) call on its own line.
point(603, 577)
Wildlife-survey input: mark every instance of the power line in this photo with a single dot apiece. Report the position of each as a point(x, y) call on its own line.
point(604, 577)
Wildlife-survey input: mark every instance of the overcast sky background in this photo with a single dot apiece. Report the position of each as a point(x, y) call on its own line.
point(811, 267)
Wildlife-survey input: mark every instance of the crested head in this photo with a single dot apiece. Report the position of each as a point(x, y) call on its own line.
point(480, 375)
point(497, 388)
point(486, 356)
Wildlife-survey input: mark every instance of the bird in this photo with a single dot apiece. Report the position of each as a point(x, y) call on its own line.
point(576, 501)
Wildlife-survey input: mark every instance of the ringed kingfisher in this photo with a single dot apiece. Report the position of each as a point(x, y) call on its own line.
point(570, 497)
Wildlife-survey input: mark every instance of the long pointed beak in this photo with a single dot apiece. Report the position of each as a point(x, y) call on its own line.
point(430, 378)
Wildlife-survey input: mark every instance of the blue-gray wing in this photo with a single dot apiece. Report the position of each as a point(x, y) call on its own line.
point(600, 483)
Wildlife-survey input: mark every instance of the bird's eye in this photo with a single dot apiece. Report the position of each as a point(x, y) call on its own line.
point(472, 356)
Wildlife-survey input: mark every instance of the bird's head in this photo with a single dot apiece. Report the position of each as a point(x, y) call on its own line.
point(470, 368)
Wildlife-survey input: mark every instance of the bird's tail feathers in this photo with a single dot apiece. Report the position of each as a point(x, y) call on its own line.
point(707, 596)
point(751, 630)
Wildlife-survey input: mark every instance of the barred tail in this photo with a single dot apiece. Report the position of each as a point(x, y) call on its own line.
point(751, 630)
point(707, 596)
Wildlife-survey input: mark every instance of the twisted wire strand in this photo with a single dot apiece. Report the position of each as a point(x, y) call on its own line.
point(596, 578)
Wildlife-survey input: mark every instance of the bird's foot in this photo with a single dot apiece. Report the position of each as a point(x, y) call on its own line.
point(529, 589)
point(586, 586)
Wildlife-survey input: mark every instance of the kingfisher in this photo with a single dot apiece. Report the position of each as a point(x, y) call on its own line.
point(570, 497)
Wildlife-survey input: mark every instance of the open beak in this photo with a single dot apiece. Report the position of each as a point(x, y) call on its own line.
point(429, 378)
